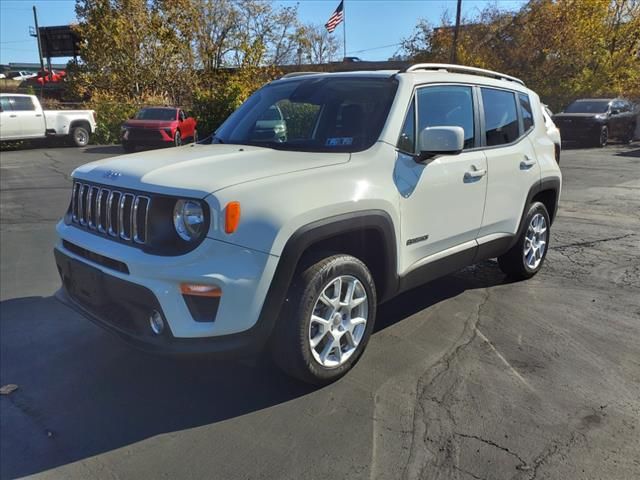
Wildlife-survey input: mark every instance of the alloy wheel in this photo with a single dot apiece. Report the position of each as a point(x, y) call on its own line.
point(338, 321)
point(535, 242)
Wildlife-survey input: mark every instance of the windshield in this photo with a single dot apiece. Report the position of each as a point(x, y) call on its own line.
point(343, 114)
point(156, 114)
point(588, 106)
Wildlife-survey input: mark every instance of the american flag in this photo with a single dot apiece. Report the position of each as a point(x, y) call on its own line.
point(335, 19)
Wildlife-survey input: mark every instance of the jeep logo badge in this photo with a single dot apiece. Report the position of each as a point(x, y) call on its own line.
point(112, 174)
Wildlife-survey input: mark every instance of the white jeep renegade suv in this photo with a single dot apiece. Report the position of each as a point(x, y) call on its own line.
point(322, 196)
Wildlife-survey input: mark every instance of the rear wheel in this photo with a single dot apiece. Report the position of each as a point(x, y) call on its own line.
point(526, 257)
point(177, 139)
point(331, 312)
point(80, 136)
point(195, 136)
point(631, 130)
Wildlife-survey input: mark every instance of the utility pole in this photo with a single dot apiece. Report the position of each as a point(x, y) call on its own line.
point(454, 46)
point(37, 35)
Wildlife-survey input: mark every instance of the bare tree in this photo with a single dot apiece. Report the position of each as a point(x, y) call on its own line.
point(317, 45)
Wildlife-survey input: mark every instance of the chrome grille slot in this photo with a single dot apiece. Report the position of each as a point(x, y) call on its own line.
point(125, 216)
point(102, 210)
point(92, 199)
point(113, 205)
point(112, 213)
point(82, 204)
point(141, 218)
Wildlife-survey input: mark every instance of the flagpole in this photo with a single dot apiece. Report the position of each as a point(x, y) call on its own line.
point(344, 30)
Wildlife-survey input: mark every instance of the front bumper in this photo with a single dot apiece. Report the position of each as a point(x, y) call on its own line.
point(122, 302)
point(147, 136)
point(579, 133)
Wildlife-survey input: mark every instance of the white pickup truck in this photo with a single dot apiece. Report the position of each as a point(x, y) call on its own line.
point(22, 118)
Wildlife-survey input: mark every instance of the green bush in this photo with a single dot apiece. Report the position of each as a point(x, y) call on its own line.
point(111, 113)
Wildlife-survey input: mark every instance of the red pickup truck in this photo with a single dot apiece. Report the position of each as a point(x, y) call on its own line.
point(158, 126)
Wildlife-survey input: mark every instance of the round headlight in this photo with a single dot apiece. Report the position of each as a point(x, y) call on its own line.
point(188, 219)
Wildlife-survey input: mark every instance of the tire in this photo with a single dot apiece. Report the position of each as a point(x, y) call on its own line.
point(341, 336)
point(602, 140)
point(195, 136)
point(628, 138)
point(177, 139)
point(129, 147)
point(526, 257)
point(80, 136)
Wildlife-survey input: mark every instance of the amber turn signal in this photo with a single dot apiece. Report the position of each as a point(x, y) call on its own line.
point(232, 217)
point(200, 290)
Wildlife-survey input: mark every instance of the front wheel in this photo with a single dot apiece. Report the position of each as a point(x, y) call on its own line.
point(177, 139)
point(128, 147)
point(526, 257)
point(331, 313)
point(80, 136)
point(604, 137)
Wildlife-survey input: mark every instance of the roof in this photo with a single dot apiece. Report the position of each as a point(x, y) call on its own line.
point(426, 71)
point(356, 73)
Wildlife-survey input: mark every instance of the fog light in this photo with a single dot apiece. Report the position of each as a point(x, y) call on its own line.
point(156, 322)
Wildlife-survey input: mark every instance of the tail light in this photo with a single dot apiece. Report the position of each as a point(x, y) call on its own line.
point(557, 150)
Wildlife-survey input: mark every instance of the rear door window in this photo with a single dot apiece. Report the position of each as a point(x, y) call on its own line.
point(500, 116)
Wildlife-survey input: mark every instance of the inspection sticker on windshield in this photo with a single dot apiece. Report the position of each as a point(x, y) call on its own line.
point(339, 141)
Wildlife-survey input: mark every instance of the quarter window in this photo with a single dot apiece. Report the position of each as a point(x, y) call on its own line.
point(407, 140)
point(525, 109)
point(23, 104)
point(447, 106)
point(500, 116)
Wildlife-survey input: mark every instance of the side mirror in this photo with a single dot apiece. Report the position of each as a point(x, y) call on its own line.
point(434, 141)
point(615, 111)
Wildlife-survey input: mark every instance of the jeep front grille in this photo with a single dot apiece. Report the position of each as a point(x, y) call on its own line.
point(112, 213)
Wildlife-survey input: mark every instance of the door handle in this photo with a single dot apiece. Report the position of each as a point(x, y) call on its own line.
point(527, 163)
point(12, 116)
point(475, 173)
point(38, 114)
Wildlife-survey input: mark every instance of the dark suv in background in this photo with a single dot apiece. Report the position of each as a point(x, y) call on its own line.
point(594, 121)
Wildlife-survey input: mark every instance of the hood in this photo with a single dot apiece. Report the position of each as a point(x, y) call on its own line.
point(149, 123)
point(197, 170)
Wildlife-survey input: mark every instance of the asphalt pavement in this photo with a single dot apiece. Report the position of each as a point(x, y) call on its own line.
point(468, 377)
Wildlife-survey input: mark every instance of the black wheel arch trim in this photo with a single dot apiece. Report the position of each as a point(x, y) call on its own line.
point(317, 231)
point(545, 184)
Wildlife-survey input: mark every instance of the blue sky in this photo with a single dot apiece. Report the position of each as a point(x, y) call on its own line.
point(374, 27)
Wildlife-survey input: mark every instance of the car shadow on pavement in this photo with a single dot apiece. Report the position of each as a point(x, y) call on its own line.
point(112, 149)
point(118, 150)
point(82, 392)
point(630, 153)
point(483, 275)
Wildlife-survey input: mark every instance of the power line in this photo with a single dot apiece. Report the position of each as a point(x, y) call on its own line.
point(376, 48)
